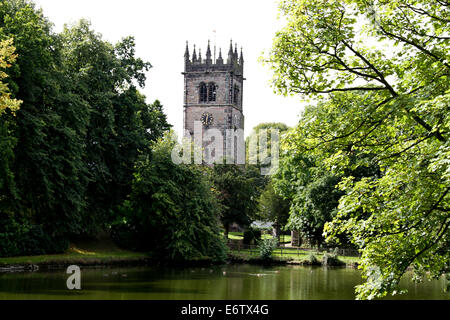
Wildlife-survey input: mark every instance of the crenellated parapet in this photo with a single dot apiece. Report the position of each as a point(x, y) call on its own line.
point(234, 63)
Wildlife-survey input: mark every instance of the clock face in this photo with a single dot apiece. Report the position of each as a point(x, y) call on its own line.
point(207, 119)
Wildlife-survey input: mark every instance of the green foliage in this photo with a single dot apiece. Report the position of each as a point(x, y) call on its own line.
point(381, 103)
point(171, 210)
point(256, 138)
point(331, 259)
point(8, 107)
point(251, 235)
point(20, 238)
point(305, 182)
point(238, 188)
point(121, 124)
point(272, 207)
point(67, 155)
point(266, 248)
point(311, 259)
point(7, 57)
point(47, 167)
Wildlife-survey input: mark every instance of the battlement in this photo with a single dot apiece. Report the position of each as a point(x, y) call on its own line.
point(234, 63)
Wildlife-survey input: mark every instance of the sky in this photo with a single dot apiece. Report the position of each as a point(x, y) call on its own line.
point(161, 29)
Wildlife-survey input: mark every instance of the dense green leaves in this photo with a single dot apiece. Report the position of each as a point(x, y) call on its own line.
point(272, 207)
point(121, 125)
point(380, 70)
point(68, 156)
point(238, 188)
point(8, 107)
point(306, 181)
point(172, 210)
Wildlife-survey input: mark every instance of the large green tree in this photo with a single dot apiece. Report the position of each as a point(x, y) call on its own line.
point(172, 210)
point(70, 150)
point(273, 207)
point(8, 107)
point(48, 168)
point(121, 124)
point(260, 139)
point(238, 188)
point(381, 70)
point(304, 180)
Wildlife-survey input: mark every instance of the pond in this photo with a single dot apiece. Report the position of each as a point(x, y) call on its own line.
point(238, 282)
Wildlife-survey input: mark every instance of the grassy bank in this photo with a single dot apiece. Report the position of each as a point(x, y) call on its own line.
point(235, 235)
point(105, 252)
point(290, 256)
point(82, 253)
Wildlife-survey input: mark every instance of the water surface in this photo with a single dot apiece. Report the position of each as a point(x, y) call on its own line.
point(238, 282)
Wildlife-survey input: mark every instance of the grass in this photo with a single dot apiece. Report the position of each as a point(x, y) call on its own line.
point(236, 235)
point(86, 252)
point(240, 235)
point(105, 251)
point(283, 238)
point(294, 254)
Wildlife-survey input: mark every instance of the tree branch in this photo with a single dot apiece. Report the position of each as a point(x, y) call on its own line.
point(368, 63)
point(434, 207)
point(424, 12)
point(421, 48)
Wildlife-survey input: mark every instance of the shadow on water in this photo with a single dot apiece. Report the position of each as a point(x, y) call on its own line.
point(240, 282)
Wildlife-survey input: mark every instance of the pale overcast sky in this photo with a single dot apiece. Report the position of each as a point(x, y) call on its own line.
point(161, 29)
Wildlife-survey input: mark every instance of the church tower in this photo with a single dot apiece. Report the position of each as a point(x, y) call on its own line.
point(213, 91)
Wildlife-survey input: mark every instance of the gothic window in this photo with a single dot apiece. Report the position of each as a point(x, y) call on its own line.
point(203, 92)
point(236, 94)
point(212, 91)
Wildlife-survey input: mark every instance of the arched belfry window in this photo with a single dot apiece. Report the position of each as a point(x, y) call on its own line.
point(236, 94)
point(203, 92)
point(212, 91)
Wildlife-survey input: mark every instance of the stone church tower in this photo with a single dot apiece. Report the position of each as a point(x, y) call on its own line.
point(213, 91)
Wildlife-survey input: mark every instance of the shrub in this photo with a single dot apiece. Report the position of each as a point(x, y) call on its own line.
point(312, 260)
point(266, 247)
point(25, 239)
point(331, 259)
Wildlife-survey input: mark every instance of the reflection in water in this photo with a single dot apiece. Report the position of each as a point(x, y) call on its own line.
point(239, 282)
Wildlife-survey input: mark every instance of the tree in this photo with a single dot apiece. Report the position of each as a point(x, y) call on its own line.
point(238, 188)
point(7, 57)
point(274, 208)
point(121, 124)
point(171, 210)
point(256, 135)
point(7, 141)
point(305, 182)
point(68, 153)
point(271, 207)
point(48, 168)
point(381, 72)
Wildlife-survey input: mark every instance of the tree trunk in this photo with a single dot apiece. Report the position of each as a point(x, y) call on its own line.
point(295, 238)
point(227, 230)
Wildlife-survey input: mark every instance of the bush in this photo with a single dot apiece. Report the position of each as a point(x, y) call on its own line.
point(251, 234)
point(312, 260)
point(25, 239)
point(331, 259)
point(266, 247)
